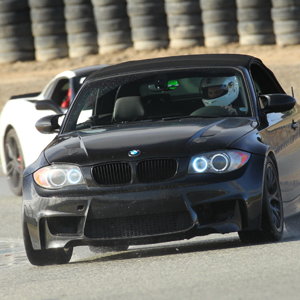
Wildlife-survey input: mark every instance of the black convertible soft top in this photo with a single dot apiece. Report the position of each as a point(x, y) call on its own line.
point(174, 62)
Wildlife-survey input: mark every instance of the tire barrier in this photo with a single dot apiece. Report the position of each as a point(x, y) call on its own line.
point(112, 24)
point(148, 24)
point(286, 20)
point(16, 41)
point(80, 28)
point(48, 28)
point(184, 23)
point(219, 22)
point(254, 22)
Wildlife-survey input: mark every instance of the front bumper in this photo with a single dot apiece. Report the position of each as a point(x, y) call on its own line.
point(141, 214)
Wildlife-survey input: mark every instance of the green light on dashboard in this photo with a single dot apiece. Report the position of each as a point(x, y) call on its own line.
point(173, 84)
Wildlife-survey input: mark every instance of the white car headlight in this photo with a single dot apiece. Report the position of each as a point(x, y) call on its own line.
point(218, 161)
point(58, 176)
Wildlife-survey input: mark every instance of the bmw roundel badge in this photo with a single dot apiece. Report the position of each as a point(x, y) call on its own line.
point(134, 153)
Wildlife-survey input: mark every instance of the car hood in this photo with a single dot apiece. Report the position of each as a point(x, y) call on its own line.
point(156, 139)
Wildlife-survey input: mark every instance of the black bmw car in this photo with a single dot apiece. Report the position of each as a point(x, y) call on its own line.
point(165, 149)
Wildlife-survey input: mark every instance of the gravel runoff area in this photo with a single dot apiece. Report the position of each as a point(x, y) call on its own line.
point(28, 77)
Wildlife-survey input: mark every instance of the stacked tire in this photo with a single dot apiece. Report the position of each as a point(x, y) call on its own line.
point(112, 25)
point(148, 24)
point(184, 22)
point(48, 28)
point(286, 20)
point(255, 25)
point(16, 41)
point(80, 27)
point(219, 22)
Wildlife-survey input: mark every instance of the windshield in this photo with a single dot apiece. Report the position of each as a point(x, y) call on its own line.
point(163, 96)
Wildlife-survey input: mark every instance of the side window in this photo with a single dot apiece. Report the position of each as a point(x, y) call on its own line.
point(264, 81)
point(61, 93)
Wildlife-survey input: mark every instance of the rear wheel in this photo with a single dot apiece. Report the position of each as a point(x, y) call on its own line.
point(272, 210)
point(45, 257)
point(14, 162)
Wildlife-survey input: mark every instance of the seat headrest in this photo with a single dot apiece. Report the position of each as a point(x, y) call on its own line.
point(128, 109)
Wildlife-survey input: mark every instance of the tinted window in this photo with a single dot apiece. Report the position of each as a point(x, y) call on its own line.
point(164, 95)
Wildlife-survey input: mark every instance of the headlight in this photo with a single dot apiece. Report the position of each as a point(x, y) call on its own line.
point(218, 161)
point(58, 176)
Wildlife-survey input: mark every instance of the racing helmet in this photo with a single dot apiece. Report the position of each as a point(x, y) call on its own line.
point(219, 91)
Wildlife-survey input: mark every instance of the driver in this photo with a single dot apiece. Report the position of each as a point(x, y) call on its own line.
point(220, 91)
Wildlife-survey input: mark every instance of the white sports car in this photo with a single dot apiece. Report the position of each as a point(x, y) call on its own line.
point(21, 142)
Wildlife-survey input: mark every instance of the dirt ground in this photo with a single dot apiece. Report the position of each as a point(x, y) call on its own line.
point(27, 77)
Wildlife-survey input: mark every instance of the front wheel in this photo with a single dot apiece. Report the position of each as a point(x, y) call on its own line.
point(272, 210)
point(46, 256)
point(14, 161)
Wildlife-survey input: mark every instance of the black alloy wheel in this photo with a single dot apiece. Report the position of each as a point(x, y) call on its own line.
point(272, 210)
point(45, 257)
point(14, 162)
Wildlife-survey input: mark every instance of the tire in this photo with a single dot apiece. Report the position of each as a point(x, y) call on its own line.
point(257, 39)
point(50, 53)
point(75, 12)
point(82, 39)
point(145, 9)
point(110, 12)
point(45, 3)
point(150, 45)
point(285, 3)
point(16, 44)
point(45, 257)
point(272, 210)
point(80, 26)
point(14, 17)
point(114, 38)
point(285, 13)
point(105, 2)
point(149, 33)
point(46, 14)
point(187, 32)
point(286, 27)
point(253, 14)
point(253, 3)
point(184, 20)
point(216, 16)
point(113, 25)
point(114, 48)
point(13, 5)
point(216, 41)
point(51, 41)
point(184, 7)
point(15, 30)
point(80, 51)
point(147, 21)
point(14, 161)
point(255, 27)
point(219, 29)
point(14, 56)
point(48, 28)
point(216, 4)
point(288, 39)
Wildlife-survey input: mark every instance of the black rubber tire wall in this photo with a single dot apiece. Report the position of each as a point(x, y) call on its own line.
point(189, 33)
point(16, 41)
point(219, 22)
point(156, 26)
point(80, 28)
point(112, 24)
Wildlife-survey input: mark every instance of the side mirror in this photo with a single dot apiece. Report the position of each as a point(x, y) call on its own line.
point(48, 124)
point(276, 102)
point(48, 105)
